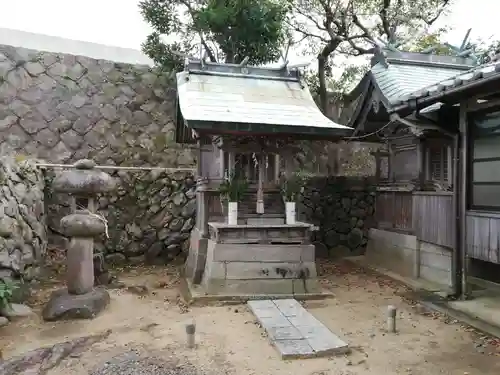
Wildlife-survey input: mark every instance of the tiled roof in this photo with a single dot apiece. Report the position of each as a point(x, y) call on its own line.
point(225, 93)
point(458, 81)
point(399, 75)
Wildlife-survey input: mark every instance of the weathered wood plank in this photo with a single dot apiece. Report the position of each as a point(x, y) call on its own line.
point(393, 210)
point(433, 218)
point(493, 240)
point(483, 237)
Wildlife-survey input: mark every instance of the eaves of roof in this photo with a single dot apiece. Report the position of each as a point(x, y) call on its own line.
point(396, 81)
point(226, 97)
point(455, 87)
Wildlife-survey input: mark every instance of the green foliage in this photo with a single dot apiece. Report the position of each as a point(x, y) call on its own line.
point(337, 86)
point(253, 28)
point(226, 30)
point(293, 185)
point(6, 293)
point(433, 40)
point(164, 55)
point(233, 187)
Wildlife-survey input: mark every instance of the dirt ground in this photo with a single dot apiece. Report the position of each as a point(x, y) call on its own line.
point(230, 342)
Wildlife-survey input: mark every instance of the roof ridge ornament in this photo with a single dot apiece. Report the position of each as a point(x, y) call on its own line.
point(463, 51)
point(284, 56)
point(243, 65)
point(379, 57)
point(383, 47)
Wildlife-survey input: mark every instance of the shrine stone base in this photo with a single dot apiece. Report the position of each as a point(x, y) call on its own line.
point(257, 261)
point(65, 306)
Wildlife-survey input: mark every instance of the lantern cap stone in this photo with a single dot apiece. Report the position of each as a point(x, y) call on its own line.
point(85, 164)
point(82, 224)
point(84, 180)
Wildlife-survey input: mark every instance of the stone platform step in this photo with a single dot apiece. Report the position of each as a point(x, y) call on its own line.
point(263, 220)
point(294, 332)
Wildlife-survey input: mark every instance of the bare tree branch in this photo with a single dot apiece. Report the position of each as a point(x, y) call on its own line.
point(367, 36)
point(306, 34)
point(384, 17)
point(209, 51)
point(352, 27)
point(438, 13)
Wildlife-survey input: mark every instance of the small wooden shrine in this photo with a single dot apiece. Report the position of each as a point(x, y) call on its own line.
point(438, 203)
point(250, 119)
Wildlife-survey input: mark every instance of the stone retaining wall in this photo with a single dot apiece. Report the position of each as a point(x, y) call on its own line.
point(61, 108)
point(23, 234)
point(342, 208)
point(149, 216)
point(152, 213)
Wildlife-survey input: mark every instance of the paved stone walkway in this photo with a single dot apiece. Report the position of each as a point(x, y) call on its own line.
point(294, 332)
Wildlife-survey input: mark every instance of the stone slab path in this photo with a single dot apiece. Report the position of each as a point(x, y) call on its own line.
point(294, 332)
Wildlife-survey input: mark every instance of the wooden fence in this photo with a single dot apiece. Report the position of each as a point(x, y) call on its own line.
point(427, 215)
point(483, 236)
point(393, 210)
point(433, 217)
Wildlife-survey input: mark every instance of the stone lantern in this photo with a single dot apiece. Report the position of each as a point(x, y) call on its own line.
point(80, 300)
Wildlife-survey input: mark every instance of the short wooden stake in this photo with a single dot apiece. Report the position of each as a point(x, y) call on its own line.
point(190, 332)
point(391, 319)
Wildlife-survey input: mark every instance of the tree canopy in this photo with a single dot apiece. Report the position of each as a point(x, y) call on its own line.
point(333, 31)
point(222, 30)
point(357, 27)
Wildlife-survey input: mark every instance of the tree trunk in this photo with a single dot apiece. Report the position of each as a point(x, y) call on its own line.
point(323, 102)
point(322, 60)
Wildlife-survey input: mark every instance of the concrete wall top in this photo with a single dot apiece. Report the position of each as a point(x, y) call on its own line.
point(40, 42)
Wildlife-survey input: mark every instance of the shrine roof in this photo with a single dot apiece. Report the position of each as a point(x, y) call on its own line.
point(457, 85)
point(392, 78)
point(238, 98)
point(398, 74)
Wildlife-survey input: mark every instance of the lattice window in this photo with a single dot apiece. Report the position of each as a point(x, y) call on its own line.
point(438, 162)
point(384, 167)
point(404, 164)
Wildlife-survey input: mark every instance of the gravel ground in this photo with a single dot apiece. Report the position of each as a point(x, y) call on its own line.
point(135, 363)
point(147, 323)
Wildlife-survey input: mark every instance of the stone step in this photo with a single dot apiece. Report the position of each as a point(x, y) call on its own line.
point(267, 202)
point(268, 220)
point(252, 209)
point(266, 214)
point(294, 332)
point(249, 213)
point(267, 209)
